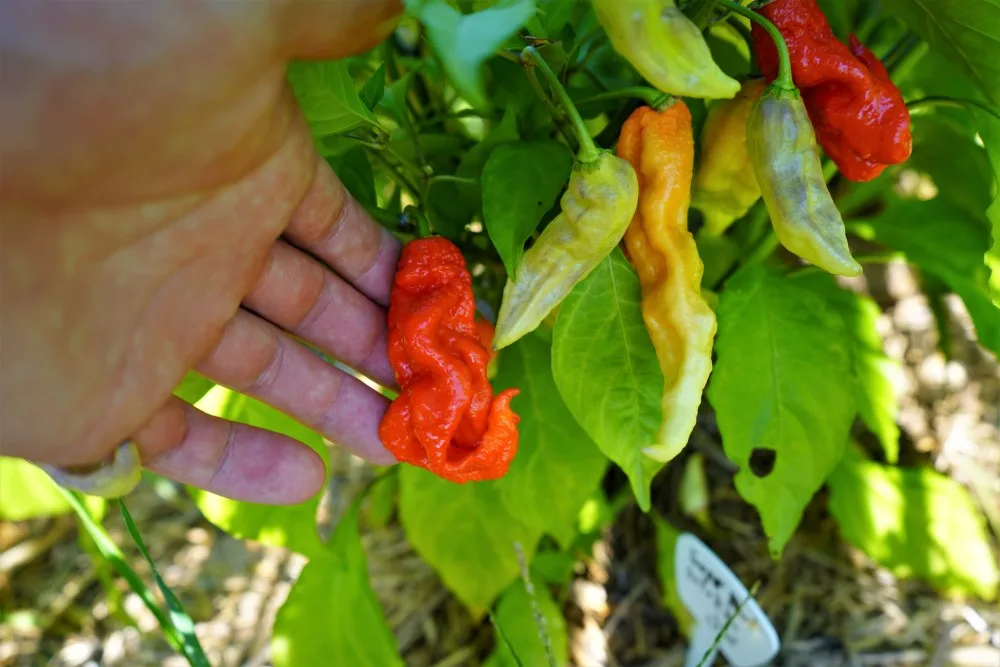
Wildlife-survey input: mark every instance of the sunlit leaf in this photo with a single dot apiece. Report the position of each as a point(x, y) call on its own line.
point(783, 393)
point(464, 532)
point(331, 616)
point(557, 465)
point(916, 522)
point(605, 367)
point(26, 492)
point(873, 369)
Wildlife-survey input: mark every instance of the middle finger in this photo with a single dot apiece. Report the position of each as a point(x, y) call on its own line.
point(299, 294)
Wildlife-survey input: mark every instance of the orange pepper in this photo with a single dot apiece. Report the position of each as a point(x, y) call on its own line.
point(660, 147)
point(446, 418)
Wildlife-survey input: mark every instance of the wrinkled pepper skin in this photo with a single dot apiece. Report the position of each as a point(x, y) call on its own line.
point(596, 209)
point(785, 159)
point(680, 323)
point(724, 186)
point(858, 114)
point(665, 47)
point(446, 418)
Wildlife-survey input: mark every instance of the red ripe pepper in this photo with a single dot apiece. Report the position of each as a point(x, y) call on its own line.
point(446, 418)
point(858, 113)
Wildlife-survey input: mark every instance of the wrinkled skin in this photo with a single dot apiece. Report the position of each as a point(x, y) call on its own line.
point(163, 209)
point(446, 418)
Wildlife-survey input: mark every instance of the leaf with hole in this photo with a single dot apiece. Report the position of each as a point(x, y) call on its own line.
point(783, 387)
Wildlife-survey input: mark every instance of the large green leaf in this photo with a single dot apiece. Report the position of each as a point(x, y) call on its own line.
point(464, 532)
point(291, 526)
point(464, 42)
point(331, 616)
point(916, 522)
point(989, 128)
point(782, 390)
point(516, 618)
point(949, 243)
point(557, 465)
point(26, 492)
point(606, 369)
point(967, 32)
point(326, 93)
point(873, 369)
point(520, 182)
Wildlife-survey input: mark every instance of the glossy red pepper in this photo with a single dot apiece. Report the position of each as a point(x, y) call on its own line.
point(858, 113)
point(446, 418)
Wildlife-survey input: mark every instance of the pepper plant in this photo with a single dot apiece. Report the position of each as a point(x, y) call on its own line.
point(658, 216)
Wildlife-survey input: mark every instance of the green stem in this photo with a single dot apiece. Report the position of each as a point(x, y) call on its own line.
point(557, 114)
point(453, 179)
point(588, 151)
point(654, 98)
point(423, 227)
point(703, 12)
point(957, 102)
point(400, 177)
point(784, 79)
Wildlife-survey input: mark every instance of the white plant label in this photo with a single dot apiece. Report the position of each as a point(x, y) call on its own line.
point(712, 593)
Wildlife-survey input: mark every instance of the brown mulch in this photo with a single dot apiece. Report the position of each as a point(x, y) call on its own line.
point(831, 605)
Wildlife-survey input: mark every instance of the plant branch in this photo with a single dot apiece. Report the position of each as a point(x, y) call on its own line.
point(588, 151)
point(654, 98)
point(702, 12)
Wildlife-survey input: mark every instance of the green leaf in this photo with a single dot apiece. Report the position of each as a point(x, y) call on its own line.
point(327, 96)
point(782, 390)
point(946, 242)
point(606, 369)
point(989, 128)
point(181, 620)
point(516, 619)
point(193, 387)
point(355, 172)
point(374, 88)
point(463, 43)
point(290, 526)
point(393, 101)
point(555, 14)
point(967, 32)
point(113, 555)
point(520, 182)
point(331, 616)
point(464, 532)
point(916, 522)
point(27, 492)
point(553, 451)
point(475, 159)
point(873, 369)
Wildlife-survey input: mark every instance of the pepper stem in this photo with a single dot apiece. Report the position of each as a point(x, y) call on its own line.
point(588, 151)
point(654, 98)
point(784, 79)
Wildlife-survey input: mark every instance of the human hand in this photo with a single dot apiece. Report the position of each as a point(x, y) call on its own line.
point(168, 211)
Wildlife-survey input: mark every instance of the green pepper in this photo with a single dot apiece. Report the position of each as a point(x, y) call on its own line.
point(782, 148)
point(597, 208)
point(665, 47)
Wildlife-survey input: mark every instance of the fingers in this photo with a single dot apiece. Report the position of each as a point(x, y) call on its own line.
point(232, 460)
point(330, 224)
point(300, 295)
point(255, 358)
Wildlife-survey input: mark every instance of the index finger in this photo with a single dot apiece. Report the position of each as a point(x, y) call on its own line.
point(333, 226)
